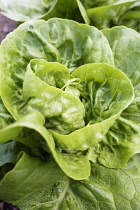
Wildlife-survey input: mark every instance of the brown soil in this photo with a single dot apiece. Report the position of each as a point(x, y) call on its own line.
point(6, 26)
point(7, 206)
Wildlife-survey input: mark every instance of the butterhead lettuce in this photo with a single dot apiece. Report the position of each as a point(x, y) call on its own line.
point(68, 97)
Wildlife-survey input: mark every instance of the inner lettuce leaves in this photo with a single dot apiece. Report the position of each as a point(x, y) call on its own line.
point(45, 186)
point(42, 96)
point(103, 98)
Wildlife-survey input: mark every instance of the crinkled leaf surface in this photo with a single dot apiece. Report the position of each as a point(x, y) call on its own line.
point(101, 75)
point(37, 49)
point(130, 64)
point(32, 57)
point(56, 40)
point(105, 92)
point(42, 185)
point(64, 112)
point(99, 82)
point(123, 139)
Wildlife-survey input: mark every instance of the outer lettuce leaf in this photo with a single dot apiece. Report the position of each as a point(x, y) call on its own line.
point(33, 184)
point(76, 166)
point(131, 18)
point(25, 10)
point(34, 180)
point(123, 138)
point(22, 10)
point(129, 64)
point(108, 15)
point(83, 13)
point(131, 49)
point(70, 9)
point(9, 152)
point(98, 3)
point(5, 117)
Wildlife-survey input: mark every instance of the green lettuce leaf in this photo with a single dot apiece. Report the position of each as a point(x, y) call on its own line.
point(131, 49)
point(104, 99)
point(5, 117)
point(123, 138)
point(131, 18)
point(63, 111)
point(22, 10)
point(9, 152)
point(25, 10)
point(33, 184)
point(76, 166)
point(108, 14)
point(98, 3)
